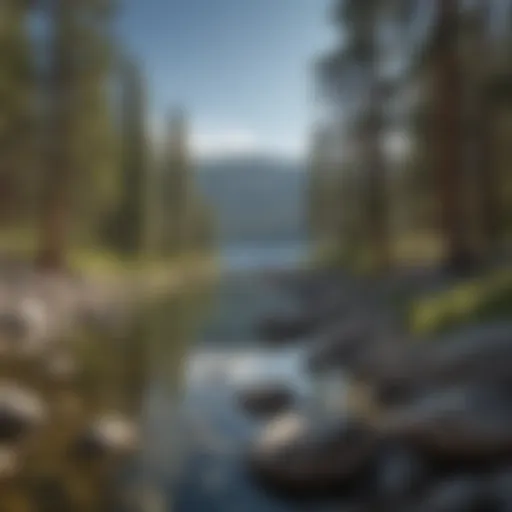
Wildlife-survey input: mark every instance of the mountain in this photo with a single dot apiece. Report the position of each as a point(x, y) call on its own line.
point(255, 198)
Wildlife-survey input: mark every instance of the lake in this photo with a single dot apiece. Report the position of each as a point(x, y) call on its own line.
point(254, 256)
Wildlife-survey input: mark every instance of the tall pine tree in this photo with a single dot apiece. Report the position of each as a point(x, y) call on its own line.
point(16, 106)
point(77, 123)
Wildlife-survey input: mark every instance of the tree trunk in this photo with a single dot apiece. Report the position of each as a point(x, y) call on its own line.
point(486, 179)
point(448, 126)
point(488, 195)
point(57, 201)
point(7, 195)
point(377, 210)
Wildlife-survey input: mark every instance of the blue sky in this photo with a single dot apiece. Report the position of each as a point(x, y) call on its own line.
point(241, 68)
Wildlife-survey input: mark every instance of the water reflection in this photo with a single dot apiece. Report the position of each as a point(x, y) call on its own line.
point(251, 257)
point(145, 416)
point(228, 358)
point(76, 416)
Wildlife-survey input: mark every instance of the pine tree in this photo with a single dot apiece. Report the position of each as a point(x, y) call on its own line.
point(448, 108)
point(16, 106)
point(352, 75)
point(177, 186)
point(77, 123)
point(132, 218)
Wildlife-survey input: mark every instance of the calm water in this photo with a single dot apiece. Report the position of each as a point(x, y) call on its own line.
point(249, 257)
point(209, 433)
point(175, 373)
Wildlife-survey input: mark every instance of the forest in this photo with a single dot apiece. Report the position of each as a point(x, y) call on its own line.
point(370, 372)
point(410, 162)
point(80, 175)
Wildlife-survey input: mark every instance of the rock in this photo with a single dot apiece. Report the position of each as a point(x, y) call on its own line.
point(61, 367)
point(34, 311)
point(400, 472)
point(26, 324)
point(480, 353)
point(109, 435)
point(321, 304)
point(386, 359)
point(13, 325)
point(388, 368)
point(456, 494)
point(341, 347)
point(287, 328)
point(500, 489)
point(460, 424)
point(265, 400)
point(9, 462)
point(317, 288)
point(302, 455)
point(399, 371)
point(21, 411)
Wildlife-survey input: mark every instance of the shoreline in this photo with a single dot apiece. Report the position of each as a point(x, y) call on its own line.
point(39, 306)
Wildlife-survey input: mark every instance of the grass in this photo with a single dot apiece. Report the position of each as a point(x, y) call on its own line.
point(21, 244)
point(407, 249)
point(485, 298)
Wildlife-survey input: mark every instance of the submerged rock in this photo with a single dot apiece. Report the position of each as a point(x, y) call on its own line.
point(110, 435)
point(61, 367)
point(26, 325)
point(287, 328)
point(9, 462)
point(265, 399)
point(301, 455)
point(21, 411)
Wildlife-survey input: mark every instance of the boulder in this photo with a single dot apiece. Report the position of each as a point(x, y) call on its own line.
point(400, 473)
point(10, 463)
point(480, 353)
point(265, 399)
point(21, 412)
point(26, 325)
point(301, 455)
point(109, 435)
point(500, 489)
point(456, 494)
point(456, 425)
point(400, 371)
point(341, 347)
point(290, 327)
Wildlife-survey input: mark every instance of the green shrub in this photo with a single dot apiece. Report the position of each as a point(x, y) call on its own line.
point(478, 300)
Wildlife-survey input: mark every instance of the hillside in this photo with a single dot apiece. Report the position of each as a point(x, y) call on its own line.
point(256, 199)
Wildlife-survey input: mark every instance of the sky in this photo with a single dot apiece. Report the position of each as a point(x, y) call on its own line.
point(242, 69)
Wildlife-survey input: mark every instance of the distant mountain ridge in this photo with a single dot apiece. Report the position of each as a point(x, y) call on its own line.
point(256, 198)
